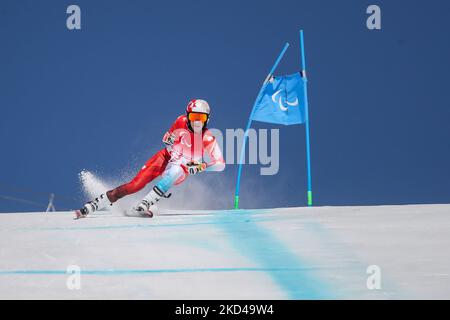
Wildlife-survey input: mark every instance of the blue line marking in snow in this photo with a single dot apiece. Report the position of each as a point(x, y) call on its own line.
point(144, 271)
point(260, 245)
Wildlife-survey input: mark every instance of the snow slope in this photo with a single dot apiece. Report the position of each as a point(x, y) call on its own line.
point(288, 253)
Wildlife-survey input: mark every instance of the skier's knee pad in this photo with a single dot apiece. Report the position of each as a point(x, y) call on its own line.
point(169, 178)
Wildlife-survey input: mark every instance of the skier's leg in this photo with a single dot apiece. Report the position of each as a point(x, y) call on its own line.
point(154, 167)
point(173, 174)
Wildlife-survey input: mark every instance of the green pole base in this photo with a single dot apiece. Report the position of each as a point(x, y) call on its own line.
point(236, 202)
point(309, 198)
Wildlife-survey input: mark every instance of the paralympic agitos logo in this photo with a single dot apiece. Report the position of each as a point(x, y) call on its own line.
point(280, 98)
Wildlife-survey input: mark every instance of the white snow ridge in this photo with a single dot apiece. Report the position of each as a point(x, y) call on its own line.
point(382, 252)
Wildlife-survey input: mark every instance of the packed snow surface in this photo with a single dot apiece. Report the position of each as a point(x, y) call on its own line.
point(373, 252)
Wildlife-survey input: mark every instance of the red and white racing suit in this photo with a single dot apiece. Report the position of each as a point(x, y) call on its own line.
point(170, 162)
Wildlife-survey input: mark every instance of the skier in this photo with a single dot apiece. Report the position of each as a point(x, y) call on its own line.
point(190, 148)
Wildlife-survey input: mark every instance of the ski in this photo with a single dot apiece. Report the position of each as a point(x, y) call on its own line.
point(79, 215)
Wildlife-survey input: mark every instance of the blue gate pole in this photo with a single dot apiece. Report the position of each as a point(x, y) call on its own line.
point(249, 123)
point(308, 146)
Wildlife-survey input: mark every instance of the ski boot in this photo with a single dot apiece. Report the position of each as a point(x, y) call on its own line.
point(147, 207)
point(98, 203)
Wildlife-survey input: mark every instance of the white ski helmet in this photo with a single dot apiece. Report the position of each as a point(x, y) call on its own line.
point(199, 106)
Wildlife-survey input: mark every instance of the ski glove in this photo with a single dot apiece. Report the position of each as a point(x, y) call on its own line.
point(194, 168)
point(168, 138)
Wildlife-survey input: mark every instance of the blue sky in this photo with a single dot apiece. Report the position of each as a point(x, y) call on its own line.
point(101, 97)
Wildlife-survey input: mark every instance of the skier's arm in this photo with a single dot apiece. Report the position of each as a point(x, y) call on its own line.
point(216, 161)
point(170, 136)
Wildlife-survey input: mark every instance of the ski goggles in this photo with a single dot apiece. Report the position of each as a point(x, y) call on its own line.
point(195, 116)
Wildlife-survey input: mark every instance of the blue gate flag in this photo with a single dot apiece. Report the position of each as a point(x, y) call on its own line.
point(282, 101)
